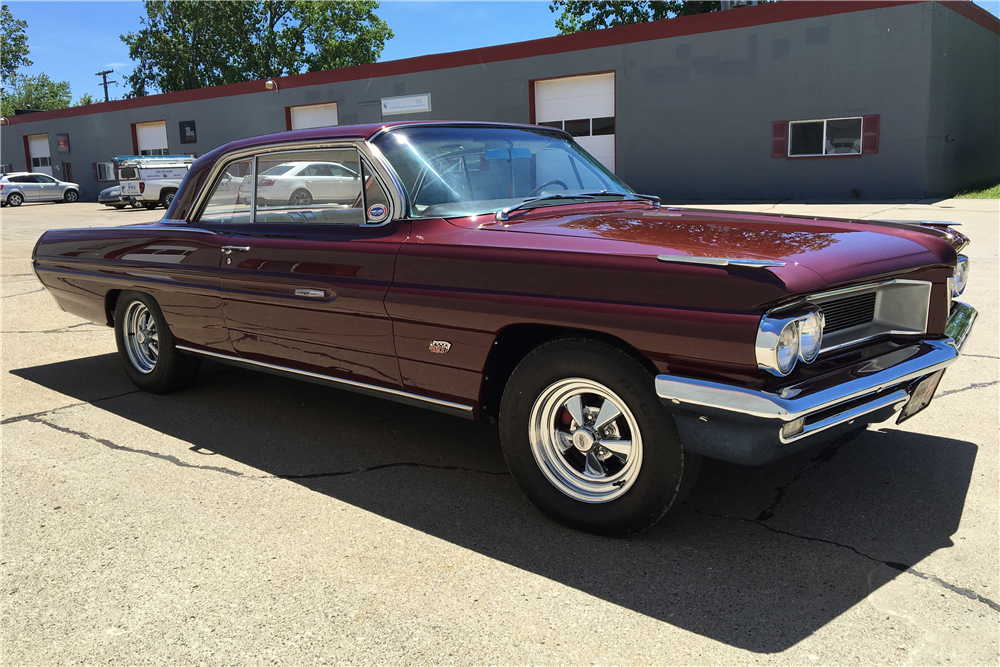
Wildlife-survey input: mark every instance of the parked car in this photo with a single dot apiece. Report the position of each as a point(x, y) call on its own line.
point(151, 180)
point(19, 187)
point(301, 183)
point(499, 271)
point(112, 197)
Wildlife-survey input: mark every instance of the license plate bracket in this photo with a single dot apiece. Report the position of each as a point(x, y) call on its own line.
point(921, 396)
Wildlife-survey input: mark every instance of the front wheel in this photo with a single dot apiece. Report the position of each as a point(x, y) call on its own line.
point(71, 196)
point(589, 442)
point(146, 346)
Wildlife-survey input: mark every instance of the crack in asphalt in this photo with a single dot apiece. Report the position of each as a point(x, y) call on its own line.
point(11, 296)
point(17, 418)
point(981, 356)
point(59, 330)
point(902, 567)
point(111, 445)
point(974, 385)
point(825, 455)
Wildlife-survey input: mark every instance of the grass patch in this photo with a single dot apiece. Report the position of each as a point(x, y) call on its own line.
point(988, 193)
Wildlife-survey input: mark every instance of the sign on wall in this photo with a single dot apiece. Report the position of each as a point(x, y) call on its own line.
point(188, 134)
point(62, 143)
point(406, 104)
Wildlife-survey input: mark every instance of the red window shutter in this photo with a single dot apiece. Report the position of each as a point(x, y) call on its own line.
point(114, 165)
point(779, 138)
point(93, 165)
point(869, 134)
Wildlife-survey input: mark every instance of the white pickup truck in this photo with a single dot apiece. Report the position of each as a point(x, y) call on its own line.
point(151, 180)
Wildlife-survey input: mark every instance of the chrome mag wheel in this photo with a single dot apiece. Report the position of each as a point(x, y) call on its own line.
point(142, 343)
point(585, 440)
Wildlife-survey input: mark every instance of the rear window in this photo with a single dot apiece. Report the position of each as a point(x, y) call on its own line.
point(128, 172)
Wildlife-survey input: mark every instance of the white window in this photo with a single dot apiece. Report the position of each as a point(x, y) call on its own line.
point(40, 162)
point(831, 136)
point(38, 147)
point(152, 138)
point(314, 115)
point(105, 171)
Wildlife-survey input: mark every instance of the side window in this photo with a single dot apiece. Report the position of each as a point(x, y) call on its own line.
point(230, 200)
point(44, 179)
point(300, 186)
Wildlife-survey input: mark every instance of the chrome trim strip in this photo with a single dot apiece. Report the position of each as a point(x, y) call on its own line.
point(351, 385)
point(896, 399)
point(312, 293)
point(719, 261)
point(861, 288)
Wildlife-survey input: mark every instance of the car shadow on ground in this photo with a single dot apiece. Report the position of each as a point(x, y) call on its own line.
point(757, 558)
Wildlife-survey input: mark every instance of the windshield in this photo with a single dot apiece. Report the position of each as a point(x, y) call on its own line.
point(459, 171)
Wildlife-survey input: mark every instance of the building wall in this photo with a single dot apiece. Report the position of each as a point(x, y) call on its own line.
point(694, 112)
point(963, 135)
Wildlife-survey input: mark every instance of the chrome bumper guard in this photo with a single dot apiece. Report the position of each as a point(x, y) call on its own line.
point(876, 388)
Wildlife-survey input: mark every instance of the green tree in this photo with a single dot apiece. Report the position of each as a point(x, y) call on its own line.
point(185, 45)
point(85, 99)
point(580, 15)
point(15, 45)
point(37, 92)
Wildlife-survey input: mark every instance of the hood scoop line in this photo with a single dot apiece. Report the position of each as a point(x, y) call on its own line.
point(720, 261)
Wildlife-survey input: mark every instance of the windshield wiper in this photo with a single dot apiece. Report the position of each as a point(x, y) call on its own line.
point(504, 213)
point(612, 193)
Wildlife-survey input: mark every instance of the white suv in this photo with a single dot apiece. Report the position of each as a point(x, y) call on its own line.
point(24, 186)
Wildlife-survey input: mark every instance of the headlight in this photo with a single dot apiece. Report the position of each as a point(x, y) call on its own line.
point(783, 340)
point(961, 275)
point(810, 336)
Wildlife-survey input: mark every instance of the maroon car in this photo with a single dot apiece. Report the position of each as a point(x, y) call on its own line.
point(487, 270)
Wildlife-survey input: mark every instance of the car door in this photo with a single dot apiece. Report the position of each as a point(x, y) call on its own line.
point(31, 187)
point(48, 188)
point(303, 287)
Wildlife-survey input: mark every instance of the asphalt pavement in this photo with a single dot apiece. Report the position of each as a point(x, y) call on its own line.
point(257, 520)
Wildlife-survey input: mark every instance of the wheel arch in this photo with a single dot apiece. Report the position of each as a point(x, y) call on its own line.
point(515, 341)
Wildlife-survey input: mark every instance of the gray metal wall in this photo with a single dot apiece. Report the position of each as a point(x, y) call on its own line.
point(694, 112)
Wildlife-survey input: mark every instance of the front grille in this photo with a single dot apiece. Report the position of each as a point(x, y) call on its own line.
point(848, 312)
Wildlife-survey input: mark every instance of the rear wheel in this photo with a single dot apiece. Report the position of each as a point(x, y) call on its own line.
point(14, 199)
point(167, 197)
point(588, 440)
point(300, 198)
point(147, 348)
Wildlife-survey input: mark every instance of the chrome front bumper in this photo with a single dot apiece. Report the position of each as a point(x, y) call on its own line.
point(751, 427)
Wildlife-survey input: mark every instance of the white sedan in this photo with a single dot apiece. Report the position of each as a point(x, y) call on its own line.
point(302, 183)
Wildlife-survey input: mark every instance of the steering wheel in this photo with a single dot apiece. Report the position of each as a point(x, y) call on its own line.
point(546, 184)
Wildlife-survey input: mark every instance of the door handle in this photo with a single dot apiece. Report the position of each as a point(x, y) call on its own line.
point(228, 249)
point(313, 293)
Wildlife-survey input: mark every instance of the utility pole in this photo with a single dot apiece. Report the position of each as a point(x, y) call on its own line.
point(104, 76)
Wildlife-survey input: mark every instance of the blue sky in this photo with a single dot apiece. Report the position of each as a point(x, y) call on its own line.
point(70, 41)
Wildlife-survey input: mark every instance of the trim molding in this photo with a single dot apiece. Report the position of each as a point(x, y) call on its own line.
point(436, 404)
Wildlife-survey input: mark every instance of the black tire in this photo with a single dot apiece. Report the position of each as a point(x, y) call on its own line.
point(71, 196)
point(119, 207)
point(167, 197)
point(149, 206)
point(627, 499)
point(15, 199)
point(301, 197)
point(159, 373)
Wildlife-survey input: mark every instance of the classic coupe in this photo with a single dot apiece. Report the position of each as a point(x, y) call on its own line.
point(499, 271)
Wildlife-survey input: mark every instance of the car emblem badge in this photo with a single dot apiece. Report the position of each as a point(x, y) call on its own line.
point(440, 346)
point(378, 212)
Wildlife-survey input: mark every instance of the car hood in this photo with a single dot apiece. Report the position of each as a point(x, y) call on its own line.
point(816, 252)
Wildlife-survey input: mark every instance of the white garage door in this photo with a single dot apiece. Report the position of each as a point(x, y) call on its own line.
point(584, 106)
point(38, 146)
point(152, 138)
point(314, 115)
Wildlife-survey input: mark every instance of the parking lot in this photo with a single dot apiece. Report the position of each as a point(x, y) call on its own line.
point(252, 519)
